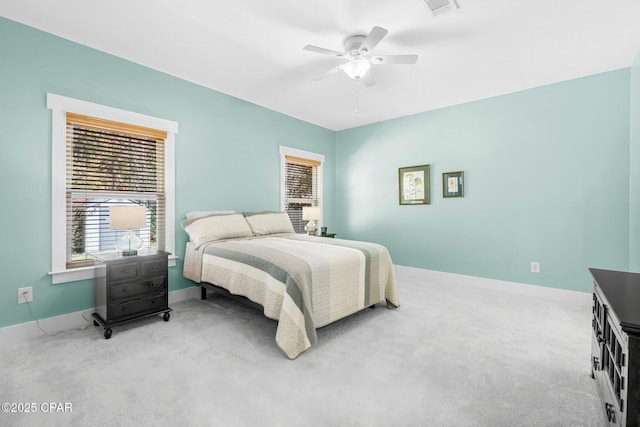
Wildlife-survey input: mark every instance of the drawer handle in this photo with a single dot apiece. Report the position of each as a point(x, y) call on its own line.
point(611, 412)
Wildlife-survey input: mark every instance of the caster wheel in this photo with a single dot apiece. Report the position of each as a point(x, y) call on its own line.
point(95, 323)
point(166, 317)
point(107, 333)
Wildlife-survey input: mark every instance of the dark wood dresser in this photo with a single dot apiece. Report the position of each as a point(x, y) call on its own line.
point(130, 287)
point(615, 348)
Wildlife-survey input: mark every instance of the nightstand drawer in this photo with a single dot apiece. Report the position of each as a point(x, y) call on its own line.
point(154, 267)
point(123, 271)
point(138, 307)
point(129, 289)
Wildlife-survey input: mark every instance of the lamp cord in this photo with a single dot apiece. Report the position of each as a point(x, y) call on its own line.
point(59, 332)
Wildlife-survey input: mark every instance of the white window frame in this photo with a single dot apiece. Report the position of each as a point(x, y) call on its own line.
point(60, 105)
point(294, 152)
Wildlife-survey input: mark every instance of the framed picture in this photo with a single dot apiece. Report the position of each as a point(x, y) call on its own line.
point(453, 184)
point(414, 185)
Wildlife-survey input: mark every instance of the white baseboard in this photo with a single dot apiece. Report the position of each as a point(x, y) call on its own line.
point(65, 322)
point(450, 279)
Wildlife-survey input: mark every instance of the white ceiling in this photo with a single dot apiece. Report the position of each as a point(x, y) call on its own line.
point(252, 49)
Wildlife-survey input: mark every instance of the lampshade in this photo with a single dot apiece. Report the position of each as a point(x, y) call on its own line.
point(310, 213)
point(127, 217)
point(356, 68)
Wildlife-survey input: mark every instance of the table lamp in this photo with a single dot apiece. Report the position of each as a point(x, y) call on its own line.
point(128, 218)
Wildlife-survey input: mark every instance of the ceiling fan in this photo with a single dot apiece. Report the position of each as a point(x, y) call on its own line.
point(358, 61)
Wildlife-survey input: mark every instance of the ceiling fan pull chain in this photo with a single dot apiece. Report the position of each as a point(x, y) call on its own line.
point(357, 111)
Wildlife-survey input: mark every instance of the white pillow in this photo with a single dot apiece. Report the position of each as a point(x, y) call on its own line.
point(216, 227)
point(202, 214)
point(269, 223)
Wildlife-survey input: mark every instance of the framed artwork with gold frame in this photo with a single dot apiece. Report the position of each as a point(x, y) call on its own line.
point(453, 184)
point(414, 185)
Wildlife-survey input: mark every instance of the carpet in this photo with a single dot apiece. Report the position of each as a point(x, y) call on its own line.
point(458, 352)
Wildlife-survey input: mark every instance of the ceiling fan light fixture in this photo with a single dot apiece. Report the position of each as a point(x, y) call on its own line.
point(356, 68)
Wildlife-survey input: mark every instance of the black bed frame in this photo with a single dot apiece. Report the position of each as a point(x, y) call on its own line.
point(220, 290)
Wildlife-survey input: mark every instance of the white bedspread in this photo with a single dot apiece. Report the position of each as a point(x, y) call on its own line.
point(303, 282)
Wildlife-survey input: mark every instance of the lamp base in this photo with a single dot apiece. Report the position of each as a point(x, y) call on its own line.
point(129, 244)
point(311, 228)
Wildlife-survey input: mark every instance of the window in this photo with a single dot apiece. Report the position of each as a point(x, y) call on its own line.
point(104, 157)
point(301, 183)
point(110, 164)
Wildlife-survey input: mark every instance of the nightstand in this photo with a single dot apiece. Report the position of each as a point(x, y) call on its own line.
point(332, 235)
point(129, 288)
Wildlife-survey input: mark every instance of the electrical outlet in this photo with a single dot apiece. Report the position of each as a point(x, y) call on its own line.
point(25, 295)
point(535, 267)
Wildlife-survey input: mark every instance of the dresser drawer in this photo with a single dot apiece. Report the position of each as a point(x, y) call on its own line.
point(154, 267)
point(154, 285)
point(122, 271)
point(612, 412)
point(138, 307)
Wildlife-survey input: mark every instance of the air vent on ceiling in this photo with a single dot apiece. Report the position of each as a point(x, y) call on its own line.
point(438, 7)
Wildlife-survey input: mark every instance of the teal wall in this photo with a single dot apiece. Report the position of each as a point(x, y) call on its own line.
point(547, 171)
point(226, 154)
point(634, 165)
point(547, 180)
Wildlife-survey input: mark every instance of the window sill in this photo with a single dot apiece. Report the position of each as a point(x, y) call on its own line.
point(83, 273)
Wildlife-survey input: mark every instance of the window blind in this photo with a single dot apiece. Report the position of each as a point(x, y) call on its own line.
point(301, 188)
point(111, 163)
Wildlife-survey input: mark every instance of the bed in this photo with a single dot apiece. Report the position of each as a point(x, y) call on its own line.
point(303, 282)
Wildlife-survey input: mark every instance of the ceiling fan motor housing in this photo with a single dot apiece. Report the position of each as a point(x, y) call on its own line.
point(352, 46)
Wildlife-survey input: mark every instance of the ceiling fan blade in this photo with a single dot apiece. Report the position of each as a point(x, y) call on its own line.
point(394, 59)
point(375, 35)
point(333, 70)
point(323, 51)
point(368, 79)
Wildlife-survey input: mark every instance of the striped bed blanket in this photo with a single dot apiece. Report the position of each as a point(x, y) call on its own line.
point(304, 282)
